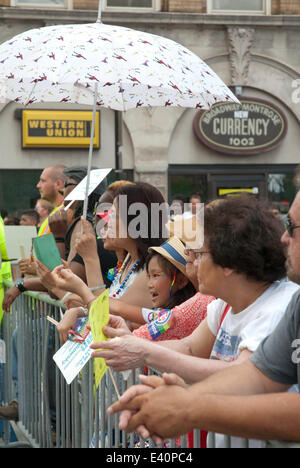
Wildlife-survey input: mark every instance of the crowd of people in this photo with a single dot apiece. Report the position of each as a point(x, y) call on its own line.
point(219, 321)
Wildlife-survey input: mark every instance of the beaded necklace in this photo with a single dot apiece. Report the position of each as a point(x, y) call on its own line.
point(122, 285)
point(113, 272)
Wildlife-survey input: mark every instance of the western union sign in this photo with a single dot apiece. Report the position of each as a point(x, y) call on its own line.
point(59, 129)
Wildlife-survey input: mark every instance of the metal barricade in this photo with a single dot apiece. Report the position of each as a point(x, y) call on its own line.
point(52, 413)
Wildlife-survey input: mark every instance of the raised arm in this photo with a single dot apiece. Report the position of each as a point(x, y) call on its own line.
point(86, 245)
point(126, 311)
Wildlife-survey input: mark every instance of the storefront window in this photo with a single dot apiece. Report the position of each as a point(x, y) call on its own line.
point(18, 190)
point(187, 185)
point(281, 190)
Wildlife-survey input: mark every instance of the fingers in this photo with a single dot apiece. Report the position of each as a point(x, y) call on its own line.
point(63, 333)
point(112, 332)
point(85, 226)
point(152, 381)
point(101, 345)
point(114, 320)
point(125, 400)
point(40, 266)
point(124, 419)
point(173, 379)
point(142, 431)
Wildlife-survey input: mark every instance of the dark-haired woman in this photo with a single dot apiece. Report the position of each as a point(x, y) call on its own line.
point(134, 226)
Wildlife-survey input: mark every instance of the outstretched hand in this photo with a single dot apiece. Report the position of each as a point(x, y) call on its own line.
point(116, 327)
point(121, 353)
point(61, 277)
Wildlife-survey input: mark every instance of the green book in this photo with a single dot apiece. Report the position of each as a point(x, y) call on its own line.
point(46, 251)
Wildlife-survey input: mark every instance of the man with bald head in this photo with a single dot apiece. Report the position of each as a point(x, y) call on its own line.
point(248, 400)
point(51, 186)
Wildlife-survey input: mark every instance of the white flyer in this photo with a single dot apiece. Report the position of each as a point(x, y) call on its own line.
point(96, 177)
point(72, 357)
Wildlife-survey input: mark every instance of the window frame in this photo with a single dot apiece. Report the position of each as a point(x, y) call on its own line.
point(266, 10)
point(67, 5)
point(156, 6)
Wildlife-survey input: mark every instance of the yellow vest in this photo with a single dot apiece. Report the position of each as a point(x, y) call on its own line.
point(5, 271)
point(44, 227)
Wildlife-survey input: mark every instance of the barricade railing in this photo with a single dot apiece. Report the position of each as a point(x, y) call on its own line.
point(53, 414)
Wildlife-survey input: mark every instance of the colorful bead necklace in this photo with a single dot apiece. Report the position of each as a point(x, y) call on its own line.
point(113, 272)
point(122, 285)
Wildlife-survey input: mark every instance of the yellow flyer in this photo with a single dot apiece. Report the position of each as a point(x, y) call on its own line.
point(98, 318)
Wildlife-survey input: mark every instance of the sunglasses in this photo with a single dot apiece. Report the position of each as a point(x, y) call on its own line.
point(69, 184)
point(289, 226)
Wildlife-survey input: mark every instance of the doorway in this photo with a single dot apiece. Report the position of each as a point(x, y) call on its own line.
point(226, 185)
point(272, 182)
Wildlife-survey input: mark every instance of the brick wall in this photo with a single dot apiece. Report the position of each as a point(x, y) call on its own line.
point(275, 10)
point(191, 6)
point(85, 4)
point(289, 7)
point(4, 2)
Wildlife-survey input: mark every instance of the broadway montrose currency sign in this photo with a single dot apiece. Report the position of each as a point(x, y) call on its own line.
point(254, 127)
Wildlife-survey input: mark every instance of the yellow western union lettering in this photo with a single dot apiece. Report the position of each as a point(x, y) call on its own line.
point(33, 123)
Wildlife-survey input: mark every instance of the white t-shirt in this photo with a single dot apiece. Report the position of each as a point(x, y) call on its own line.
point(246, 330)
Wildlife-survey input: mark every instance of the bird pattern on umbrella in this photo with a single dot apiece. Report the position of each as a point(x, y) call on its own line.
point(132, 69)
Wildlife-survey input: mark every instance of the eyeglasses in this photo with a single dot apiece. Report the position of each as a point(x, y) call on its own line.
point(289, 226)
point(199, 253)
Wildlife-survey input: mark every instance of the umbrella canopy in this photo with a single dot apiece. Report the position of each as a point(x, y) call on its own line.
point(131, 69)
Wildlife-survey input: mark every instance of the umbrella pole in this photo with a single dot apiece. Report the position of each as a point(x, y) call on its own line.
point(99, 12)
point(85, 203)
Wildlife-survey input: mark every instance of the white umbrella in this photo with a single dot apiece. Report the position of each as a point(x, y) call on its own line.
point(106, 66)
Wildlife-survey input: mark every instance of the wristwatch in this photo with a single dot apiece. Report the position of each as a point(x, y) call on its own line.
point(20, 285)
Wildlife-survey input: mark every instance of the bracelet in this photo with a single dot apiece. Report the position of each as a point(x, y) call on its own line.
point(59, 239)
point(90, 303)
point(84, 310)
point(65, 297)
point(95, 288)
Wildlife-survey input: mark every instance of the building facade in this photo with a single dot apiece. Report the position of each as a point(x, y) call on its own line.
point(253, 46)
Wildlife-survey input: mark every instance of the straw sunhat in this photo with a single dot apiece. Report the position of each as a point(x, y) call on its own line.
point(173, 250)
